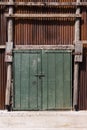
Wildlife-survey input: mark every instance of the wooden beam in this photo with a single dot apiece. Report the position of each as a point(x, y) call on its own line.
point(9, 64)
point(2, 46)
point(84, 42)
point(81, 42)
point(8, 52)
point(76, 64)
point(79, 50)
point(54, 4)
point(42, 15)
point(53, 47)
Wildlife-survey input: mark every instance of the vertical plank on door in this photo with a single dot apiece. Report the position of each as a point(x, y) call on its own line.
point(67, 91)
point(16, 76)
point(24, 80)
point(59, 80)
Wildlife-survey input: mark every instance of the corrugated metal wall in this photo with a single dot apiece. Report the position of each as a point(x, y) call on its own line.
point(2, 79)
point(2, 26)
point(84, 22)
point(83, 83)
point(2, 54)
point(82, 101)
point(55, 31)
point(44, 31)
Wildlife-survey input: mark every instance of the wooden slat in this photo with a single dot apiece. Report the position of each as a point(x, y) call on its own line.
point(53, 47)
point(44, 3)
point(43, 15)
point(84, 42)
point(81, 42)
point(79, 52)
point(8, 52)
point(76, 65)
point(8, 58)
point(2, 46)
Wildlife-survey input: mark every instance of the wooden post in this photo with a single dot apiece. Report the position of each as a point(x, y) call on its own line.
point(9, 64)
point(76, 64)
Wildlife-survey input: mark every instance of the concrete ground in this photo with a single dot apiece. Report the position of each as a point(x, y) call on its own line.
point(52, 120)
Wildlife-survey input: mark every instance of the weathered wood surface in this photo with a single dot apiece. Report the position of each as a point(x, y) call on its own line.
point(8, 85)
point(84, 42)
point(79, 52)
point(2, 46)
point(43, 15)
point(8, 52)
point(76, 64)
point(9, 66)
point(44, 3)
point(53, 47)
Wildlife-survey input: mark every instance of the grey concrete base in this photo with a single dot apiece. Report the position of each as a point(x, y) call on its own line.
point(68, 120)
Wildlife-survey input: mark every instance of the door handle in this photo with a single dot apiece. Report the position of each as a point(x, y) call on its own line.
point(39, 75)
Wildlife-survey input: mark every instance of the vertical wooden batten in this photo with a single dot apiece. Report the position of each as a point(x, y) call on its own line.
point(76, 64)
point(9, 63)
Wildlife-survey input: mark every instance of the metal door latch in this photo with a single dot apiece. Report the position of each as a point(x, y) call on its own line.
point(39, 75)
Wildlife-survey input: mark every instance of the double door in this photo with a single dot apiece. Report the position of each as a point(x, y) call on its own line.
point(42, 80)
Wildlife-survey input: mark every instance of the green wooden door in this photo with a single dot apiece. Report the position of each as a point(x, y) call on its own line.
point(57, 83)
point(42, 80)
point(27, 86)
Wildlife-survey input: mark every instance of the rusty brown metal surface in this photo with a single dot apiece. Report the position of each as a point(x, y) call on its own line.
point(2, 79)
point(41, 31)
point(2, 26)
point(82, 102)
point(44, 31)
point(2, 54)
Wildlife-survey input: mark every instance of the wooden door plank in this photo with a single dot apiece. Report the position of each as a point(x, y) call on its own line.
point(17, 87)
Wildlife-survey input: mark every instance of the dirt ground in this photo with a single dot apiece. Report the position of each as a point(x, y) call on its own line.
point(64, 120)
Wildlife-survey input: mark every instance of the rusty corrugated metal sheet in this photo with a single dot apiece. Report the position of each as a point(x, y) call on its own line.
point(83, 83)
point(2, 26)
point(44, 31)
point(2, 79)
point(82, 101)
point(2, 53)
point(84, 23)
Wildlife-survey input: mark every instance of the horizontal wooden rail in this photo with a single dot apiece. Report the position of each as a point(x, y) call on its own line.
point(80, 42)
point(44, 3)
point(84, 42)
point(43, 15)
point(56, 47)
point(2, 46)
